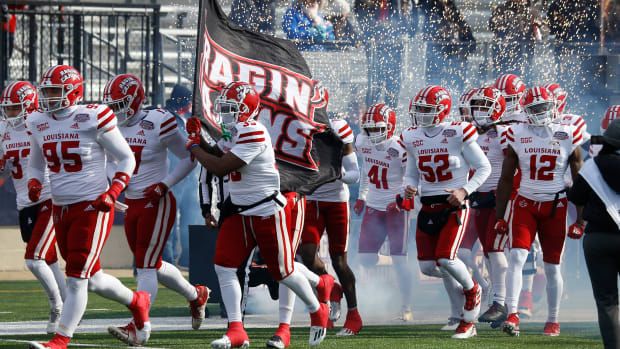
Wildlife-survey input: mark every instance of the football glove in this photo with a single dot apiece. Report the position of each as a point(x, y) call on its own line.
point(404, 204)
point(105, 202)
point(359, 206)
point(34, 189)
point(501, 227)
point(155, 192)
point(575, 231)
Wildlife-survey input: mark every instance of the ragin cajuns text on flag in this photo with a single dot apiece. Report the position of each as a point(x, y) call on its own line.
point(293, 104)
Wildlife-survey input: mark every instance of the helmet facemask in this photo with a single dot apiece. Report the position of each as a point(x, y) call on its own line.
point(14, 114)
point(541, 113)
point(377, 133)
point(512, 102)
point(53, 98)
point(228, 112)
point(482, 111)
point(122, 109)
point(425, 115)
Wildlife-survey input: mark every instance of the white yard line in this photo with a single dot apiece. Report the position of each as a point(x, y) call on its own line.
point(79, 345)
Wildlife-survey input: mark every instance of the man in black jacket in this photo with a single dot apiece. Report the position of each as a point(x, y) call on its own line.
point(596, 193)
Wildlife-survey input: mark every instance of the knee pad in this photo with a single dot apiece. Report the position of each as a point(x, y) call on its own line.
point(518, 256)
point(368, 260)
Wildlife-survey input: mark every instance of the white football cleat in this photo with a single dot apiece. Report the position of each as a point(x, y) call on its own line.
point(317, 335)
point(224, 343)
point(130, 335)
point(452, 324)
point(345, 332)
point(52, 324)
point(334, 311)
point(465, 330)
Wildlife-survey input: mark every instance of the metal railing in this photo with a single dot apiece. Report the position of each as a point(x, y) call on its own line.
point(97, 39)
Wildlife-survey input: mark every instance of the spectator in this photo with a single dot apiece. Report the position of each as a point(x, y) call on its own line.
point(515, 25)
point(254, 15)
point(449, 42)
point(597, 192)
point(338, 12)
point(188, 208)
point(305, 23)
point(383, 24)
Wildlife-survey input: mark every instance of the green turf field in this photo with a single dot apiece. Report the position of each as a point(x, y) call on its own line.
point(26, 302)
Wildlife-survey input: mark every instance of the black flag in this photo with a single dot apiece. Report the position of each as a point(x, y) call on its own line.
point(293, 108)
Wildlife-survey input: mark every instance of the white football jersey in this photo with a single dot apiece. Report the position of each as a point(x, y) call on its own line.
point(543, 157)
point(493, 143)
point(146, 137)
point(335, 191)
point(518, 116)
point(439, 158)
point(382, 171)
point(76, 162)
point(259, 178)
point(16, 152)
point(576, 121)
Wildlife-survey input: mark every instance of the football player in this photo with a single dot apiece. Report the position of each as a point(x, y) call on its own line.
point(612, 113)
point(327, 210)
point(151, 206)
point(562, 116)
point(543, 151)
point(257, 214)
point(512, 88)
point(383, 167)
point(73, 141)
point(439, 156)
point(17, 101)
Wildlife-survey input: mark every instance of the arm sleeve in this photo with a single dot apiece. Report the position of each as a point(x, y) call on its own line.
point(115, 145)
point(176, 144)
point(476, 159)
point(351, 171)
point(579, 192)
point(412, 175)
point(36, 163)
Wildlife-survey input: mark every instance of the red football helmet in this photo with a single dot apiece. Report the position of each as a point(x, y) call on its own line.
point(430, 106)
point(611, 114)
point(464, 100)
point(124, 94)
point(379, 123)
point(539, 105)
point(512, 88)
point(18, 100)
point(560, 95)
point(487, 106)
point(237, 102)
point(61, 87)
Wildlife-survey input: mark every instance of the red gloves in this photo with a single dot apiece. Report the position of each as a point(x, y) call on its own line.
point(359, 206)
point(575, 231)
point(193, 126)
point(105, 202)
point(501, 227)
point(193, 140)
point(404, 204)
point(34, 189)
point(155, 192)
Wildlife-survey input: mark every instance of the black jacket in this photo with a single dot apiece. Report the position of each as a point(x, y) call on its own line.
point(594, 211)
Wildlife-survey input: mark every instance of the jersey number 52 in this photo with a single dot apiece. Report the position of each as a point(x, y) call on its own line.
point(440, 172)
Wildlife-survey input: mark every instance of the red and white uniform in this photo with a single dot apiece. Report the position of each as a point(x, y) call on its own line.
point(439, 159)
point(266, 225)
point(74, 150)
point(482, 219)
point(382, 170)
point(543, 154)
point(150, 135)
point(327, 209)
point(577, 122)
point(16, 153)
